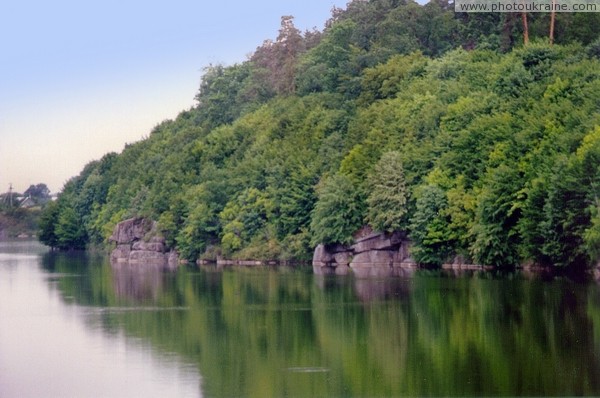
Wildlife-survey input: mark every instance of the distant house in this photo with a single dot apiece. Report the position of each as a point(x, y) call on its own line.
point(27, 203)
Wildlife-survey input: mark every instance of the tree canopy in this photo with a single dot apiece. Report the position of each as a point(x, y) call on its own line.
point(398, 115)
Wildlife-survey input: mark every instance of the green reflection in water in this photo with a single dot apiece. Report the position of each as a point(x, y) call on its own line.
point(283, 332)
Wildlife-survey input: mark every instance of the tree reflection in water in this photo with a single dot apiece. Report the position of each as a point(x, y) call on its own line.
point(137, 283)
point(249, 330)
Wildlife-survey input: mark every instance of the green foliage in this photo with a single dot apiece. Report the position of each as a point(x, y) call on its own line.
point(400, 115)
point(497, 214)
point(224, 93)
point(243, 218)
point(48, 221)
point(591, 236)
point(387, 200)
point(15, 221)
point(588, 165)
point(329, 65)
point(386, 80)
point(68, 230)
point(429, 227)
point(338, 212)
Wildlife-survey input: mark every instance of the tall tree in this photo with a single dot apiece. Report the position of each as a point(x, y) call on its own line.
point(525, 28)
point(338, 212)
point(388, 196)
point(552, 20)
point(279, 57)
point(47, 225)
point(429, 227)
point(69, 230)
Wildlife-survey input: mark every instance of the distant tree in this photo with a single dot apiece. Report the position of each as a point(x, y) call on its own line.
point(290, 41)
point(39, 191)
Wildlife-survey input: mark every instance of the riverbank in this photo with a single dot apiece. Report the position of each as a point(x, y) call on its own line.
point(19, 223)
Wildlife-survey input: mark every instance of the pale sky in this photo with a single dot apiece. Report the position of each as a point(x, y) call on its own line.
point(79, 79)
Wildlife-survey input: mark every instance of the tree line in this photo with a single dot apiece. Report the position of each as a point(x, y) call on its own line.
point(397, 115)
point(20, 212)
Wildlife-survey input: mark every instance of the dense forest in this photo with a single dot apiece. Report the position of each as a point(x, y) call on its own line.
point(478, 134)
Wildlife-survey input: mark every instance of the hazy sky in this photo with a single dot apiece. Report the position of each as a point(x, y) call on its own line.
point(79, 79)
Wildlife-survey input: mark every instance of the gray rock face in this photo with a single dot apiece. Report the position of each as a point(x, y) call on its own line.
point(132, 230)
point(376, 254)
point(139, 243)
point(158, 247)
point(378, 241)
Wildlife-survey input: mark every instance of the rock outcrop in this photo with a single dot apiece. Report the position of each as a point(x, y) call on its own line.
point(376, 254)
point(139, 243)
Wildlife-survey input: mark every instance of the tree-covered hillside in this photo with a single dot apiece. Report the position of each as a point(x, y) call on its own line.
point(397, 115)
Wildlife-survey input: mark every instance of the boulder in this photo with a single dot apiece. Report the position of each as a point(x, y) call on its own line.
point(343, 258)
point(149, 246)
point(378, 241)
point(322, 256)
point(120, 254)
point(373, 257)
point(139, 243)
point(131, 230)
point(373, 254)
point(402, 255)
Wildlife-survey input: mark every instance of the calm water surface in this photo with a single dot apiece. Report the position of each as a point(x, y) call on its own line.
point(73, 326)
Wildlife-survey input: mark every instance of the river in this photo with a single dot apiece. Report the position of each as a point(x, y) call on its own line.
point(73, 326)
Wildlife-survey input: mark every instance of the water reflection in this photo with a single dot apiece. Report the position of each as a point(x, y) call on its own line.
point(140, 284)
point(283, 332)
point(52, 345)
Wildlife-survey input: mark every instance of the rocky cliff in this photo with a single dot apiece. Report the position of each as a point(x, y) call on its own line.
point(372, 255)
point(378, 254)
point(139, 243)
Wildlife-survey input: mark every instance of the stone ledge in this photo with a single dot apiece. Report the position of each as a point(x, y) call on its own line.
point(372, 254)
point(140, 244)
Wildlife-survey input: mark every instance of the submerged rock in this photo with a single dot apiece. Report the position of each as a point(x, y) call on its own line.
point(138, 242)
